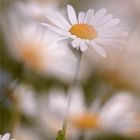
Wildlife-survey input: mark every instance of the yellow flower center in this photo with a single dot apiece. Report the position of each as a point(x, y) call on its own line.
point(86, 121)
point(84, 31)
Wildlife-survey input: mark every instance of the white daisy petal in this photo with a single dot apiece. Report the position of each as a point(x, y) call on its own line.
point(98, 17)
point(60, 39)
point(110, 42)
point(55, 29)
point(109, 30)
point(81, 17)
point(116, 46)
point(56, 20)
point(103, 41)
point(89, 15)
point(104, 20)
point(98, 48)
point(76, 43)
point(112, 34)
point(83, 45)
point(72, 14)
point(6, 137)
point(73, 36)
point(62, 19)
point(109, 24)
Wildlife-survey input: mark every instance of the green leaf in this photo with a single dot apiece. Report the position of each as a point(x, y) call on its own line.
point(60, 135)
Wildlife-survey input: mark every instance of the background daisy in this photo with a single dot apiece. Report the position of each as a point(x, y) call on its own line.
point(34, 10)
point(38, 50)
point(118, 115)
point(26, 99)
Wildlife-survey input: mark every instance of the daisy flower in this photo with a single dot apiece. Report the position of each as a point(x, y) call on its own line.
point(34, 10)
point(122, 108)
point(6, 136)
point(89, 29)
point(38, 51)
point(25, 98)
point(89, 120)
point(122, 69)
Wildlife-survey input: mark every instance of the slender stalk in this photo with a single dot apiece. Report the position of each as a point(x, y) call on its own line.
point(79, 56)
point(74, 83)
point(64, 128)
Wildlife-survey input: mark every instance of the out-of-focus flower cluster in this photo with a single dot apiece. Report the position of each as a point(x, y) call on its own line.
point(37, 68)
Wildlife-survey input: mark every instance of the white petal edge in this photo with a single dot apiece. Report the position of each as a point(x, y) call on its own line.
point(83, 45)
point(56, 21)
point(72, 15)
point(99, 16)
point(6, 136)
point(113, 34)
point(55, 29)
point(81, 17)
point(104, 20)
point(76, 43)
point(110, 42)
point(109, 24)
point(98, 48)
point(89, 15)
point(61, 39)
point(73, 36)
point(63, 20)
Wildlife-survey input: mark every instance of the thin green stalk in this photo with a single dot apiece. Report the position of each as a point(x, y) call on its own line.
point(74, 83)
point(61, 135)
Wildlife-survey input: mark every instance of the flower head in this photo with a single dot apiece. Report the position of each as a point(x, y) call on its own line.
point(90, 28)
point(93, 119)
point(25, 98)
point(38, 51)
point(33, 10)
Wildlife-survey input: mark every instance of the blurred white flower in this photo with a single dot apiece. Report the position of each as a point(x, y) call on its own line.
point(53, 111)
point(25, 99)
point(38, 50)
point(93, 29)
point(6, 136)
point(123, 69)
point(118, 115)
point(34, 10)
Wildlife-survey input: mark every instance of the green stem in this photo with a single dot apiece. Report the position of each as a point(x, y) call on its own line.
point(74, 83)
point(79, 56)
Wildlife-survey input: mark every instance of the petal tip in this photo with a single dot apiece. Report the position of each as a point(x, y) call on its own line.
point(69, 6)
